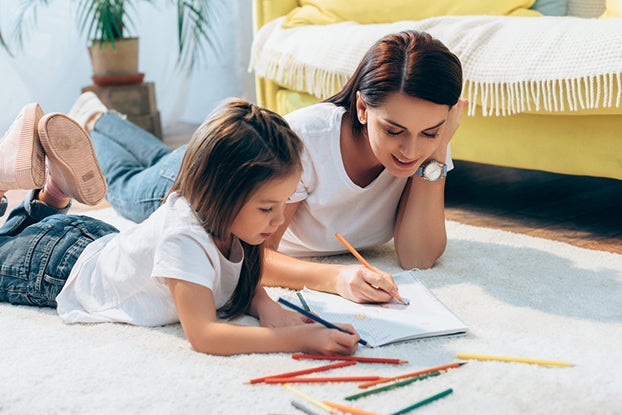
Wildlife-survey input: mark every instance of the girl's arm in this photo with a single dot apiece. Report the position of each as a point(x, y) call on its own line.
point(354, 282)
point(197, 314)
point(420, 236)
point(271, 314)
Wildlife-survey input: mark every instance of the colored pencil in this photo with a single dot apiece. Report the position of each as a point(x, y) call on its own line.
point(359, 359)
point(367, 265)
point(303, 301)
point(324, 379)
point(391, 386)
point(303, 408)
point(309, 399)
point(469, 356)
point(423, 402)
point(303, 371)
point(349, 409)
point(411, 374)
point(317, 318)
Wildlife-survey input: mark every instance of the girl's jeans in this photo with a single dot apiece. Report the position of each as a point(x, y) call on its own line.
point(139, 168)
point(39, 246)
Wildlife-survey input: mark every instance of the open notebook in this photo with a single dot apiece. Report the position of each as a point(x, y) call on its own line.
point(381, 324)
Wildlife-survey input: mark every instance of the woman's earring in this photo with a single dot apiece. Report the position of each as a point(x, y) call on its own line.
point(362, 120)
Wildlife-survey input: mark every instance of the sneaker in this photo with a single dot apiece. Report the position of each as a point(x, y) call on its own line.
point(22, 162)
point(3, 204)
point(71, 160)
point(85, 107)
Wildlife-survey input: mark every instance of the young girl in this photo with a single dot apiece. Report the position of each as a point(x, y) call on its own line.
point(197, 257)
point(374, 166)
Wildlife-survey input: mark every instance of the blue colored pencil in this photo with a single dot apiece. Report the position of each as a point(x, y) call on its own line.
point(316, 318)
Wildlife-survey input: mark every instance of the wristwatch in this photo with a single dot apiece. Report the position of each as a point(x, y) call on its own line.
point(432, 170)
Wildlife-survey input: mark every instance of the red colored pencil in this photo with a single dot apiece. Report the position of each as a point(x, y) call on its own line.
point(322, 379)
point(350, 358)
point(303, 371)
point(411, 374)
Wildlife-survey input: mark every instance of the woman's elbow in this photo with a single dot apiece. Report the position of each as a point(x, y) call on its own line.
point(420, 260)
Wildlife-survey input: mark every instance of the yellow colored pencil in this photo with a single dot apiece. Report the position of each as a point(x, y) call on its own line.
point(349, 409)
point(309, 399)
point(469, 356)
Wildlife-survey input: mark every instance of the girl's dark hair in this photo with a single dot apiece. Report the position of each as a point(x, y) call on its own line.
point(238, 149)
point(410, 62)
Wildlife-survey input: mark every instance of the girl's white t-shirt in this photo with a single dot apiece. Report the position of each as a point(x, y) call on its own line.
point(122, 277)
point(331, 202)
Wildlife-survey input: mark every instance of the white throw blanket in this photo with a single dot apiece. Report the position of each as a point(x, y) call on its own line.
point(511, 64)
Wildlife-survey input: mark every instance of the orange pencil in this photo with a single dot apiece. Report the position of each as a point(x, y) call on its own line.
point(411, 374)
point(349, 409)
point(303, 371)
point(325, 379)
point(366, 264)
point(349, 358)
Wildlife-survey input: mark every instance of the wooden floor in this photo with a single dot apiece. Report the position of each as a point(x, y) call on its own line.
point(579, 210)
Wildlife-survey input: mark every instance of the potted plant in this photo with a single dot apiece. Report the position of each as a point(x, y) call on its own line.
point(107, 24)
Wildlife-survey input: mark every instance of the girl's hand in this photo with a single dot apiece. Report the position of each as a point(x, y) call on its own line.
point(361, 285)
point(277, 316)
point(317, 339)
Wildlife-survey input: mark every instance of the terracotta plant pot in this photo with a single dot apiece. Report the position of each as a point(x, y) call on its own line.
point(118, 60)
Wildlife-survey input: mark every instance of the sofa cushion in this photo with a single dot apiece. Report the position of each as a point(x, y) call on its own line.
point(322, 12)
point(614, 9)
point(551, 7)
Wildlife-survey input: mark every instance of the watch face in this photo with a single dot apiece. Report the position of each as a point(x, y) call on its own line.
point(433, 171)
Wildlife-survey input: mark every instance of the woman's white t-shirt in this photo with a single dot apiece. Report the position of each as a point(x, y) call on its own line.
point(122, 277)
point(331, 202)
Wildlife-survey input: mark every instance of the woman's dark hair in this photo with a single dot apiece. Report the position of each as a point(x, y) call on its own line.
point(237, 150)
point(410, 62)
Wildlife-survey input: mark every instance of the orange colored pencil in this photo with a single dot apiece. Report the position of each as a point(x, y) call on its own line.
point(349, 409)
point(411, 374)
point(359, 359)
point(324, 379)
point(366, 264)
point(303, 371)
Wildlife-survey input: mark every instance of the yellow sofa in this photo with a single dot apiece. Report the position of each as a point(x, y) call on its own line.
point(579, 142)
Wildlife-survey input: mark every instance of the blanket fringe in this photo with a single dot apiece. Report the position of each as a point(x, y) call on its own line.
point(552, 95)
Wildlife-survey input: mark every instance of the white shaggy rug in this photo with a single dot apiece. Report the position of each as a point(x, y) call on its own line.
point(520, 296)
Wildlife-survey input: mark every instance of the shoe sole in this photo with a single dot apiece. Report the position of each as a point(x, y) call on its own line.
point(71, 159)
point(30, 160)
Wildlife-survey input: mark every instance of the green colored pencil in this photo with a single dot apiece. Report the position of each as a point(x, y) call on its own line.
point(423, 402)
point(303, 302)
point(391, 386)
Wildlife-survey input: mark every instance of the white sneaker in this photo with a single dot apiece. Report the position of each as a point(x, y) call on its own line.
point(22, 162)
point(85, 107)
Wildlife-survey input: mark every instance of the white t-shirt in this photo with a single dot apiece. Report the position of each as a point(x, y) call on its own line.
point(122, 277)
point(331, 202)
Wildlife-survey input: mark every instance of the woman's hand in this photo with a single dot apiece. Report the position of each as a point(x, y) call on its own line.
point(361, 285)
point(449, 129)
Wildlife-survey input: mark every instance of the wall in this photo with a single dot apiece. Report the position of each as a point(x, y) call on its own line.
point(54, 64)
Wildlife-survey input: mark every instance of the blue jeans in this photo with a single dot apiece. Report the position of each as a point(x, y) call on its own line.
point(39, 246)
point(139, 168)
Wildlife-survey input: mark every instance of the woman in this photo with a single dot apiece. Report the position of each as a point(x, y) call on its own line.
point(374, 166)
